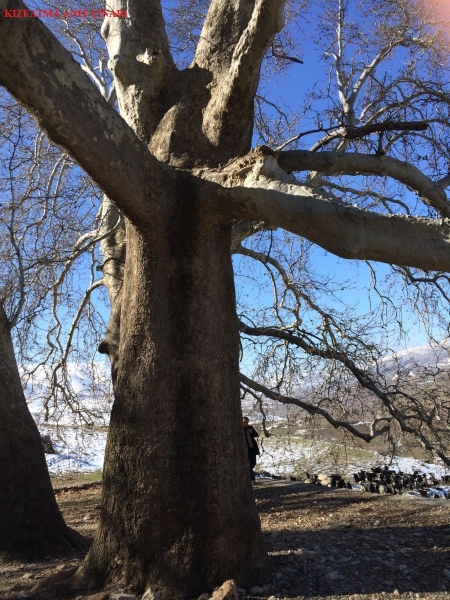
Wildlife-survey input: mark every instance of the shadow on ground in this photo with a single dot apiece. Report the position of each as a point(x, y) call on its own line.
point(322, 541)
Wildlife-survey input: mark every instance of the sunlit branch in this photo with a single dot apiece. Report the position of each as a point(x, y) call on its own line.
point(353, 163)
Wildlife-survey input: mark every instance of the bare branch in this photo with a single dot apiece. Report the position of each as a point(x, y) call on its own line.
point(353, 163)
point(315, 410)
point(141, 62)
point(56, 89)
point(231, 105)
point(257, 189)
point(222, 29)
point(354, 133)
point(277, 54)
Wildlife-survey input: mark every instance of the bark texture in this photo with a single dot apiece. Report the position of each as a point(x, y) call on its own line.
point(31, 525)
point(113, 249)
point(178, 512)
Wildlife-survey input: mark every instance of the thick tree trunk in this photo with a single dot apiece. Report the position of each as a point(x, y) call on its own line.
point(178, 513)
point(31, 525)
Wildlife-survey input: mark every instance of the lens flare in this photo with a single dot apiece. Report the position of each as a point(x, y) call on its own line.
point(436, 16)
point(438, 10)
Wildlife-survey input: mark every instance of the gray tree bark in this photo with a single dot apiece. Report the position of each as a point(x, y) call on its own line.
point(31, 524)
point(178, 512)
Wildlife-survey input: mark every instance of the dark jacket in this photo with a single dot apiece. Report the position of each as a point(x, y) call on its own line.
point(253, 435)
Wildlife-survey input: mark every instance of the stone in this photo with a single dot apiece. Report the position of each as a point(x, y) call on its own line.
point(204, 597)
point(256, 590)
point(324, 479)
point(305, 554)
point(446, 573)
point(333, 576)
point(122, 595)
point(90, 517)
point(151, 595)
point(227, 591)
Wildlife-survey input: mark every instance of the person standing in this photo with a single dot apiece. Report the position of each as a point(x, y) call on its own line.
point(252, 447)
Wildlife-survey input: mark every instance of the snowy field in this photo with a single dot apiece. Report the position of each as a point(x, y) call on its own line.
point(81, 447)
point(83, 451)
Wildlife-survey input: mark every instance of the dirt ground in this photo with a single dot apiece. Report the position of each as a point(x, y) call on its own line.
point(323, 543)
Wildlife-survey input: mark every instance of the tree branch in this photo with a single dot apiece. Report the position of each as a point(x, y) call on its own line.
point(315, 410)
point(222, 29)
point(231, 105)
point(354, 133)
point(113, 249)
point(258, 189)
point(42, 75)
point(353, 163)
point(141, 62)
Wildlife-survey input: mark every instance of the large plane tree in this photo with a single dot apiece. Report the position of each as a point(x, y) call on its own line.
point(177, 509)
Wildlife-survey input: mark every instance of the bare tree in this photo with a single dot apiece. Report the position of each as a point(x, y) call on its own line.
point(178, 163)
point(50, 266)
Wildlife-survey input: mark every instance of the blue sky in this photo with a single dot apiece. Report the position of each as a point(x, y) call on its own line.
point(287, 90)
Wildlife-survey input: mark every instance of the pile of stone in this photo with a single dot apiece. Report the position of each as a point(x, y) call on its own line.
point(383, 480)
point(380, 480)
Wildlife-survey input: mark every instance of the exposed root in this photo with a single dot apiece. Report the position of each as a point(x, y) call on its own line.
point(78, 542)
point(55, 578)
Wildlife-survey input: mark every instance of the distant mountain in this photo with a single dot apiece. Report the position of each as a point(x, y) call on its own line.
point(418, 360)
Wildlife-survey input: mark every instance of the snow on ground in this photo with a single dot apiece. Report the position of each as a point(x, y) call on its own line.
point(78, 450)
point(78, 437)
point(81, 447)
point(289, 458)
point(83, 450)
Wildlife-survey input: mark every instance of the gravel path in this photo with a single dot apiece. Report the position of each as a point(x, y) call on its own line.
point(329, 543)
point(323, 544)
